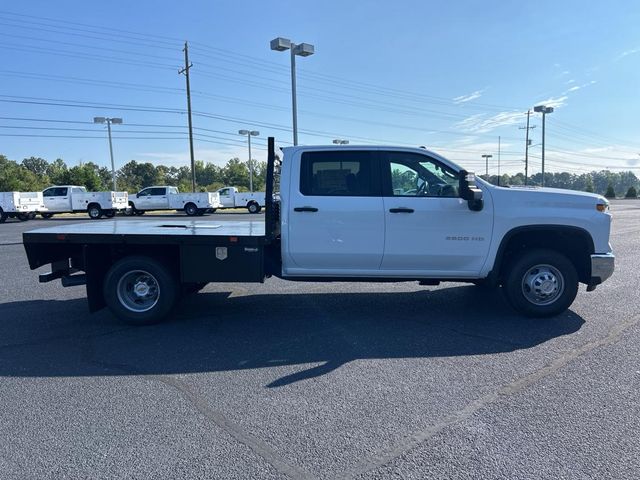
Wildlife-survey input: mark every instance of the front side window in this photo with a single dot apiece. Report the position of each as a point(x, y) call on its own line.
point(413, 175)
point(339, 173)
point(49, 192)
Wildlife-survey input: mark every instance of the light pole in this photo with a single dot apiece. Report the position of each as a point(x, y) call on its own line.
point(249, 134)
point(544, 110)
point(339, 141)
point(304, 50)
point(109, 121)
point(487, 157)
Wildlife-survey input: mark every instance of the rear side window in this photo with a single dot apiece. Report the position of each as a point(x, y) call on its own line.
point(158, 191)
point(350, 173)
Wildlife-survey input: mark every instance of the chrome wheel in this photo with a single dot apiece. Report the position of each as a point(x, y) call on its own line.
point(542, 284)
point(138, 291)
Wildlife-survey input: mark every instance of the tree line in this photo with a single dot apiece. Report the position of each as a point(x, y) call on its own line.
point(36, 174)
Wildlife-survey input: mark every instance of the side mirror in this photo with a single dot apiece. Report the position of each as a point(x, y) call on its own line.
point(137, 195)
point(469, 191)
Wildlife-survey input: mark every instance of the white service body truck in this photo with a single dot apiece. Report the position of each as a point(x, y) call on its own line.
point(169, 198)
point(348, 214)
point(230, 197)
point(74, 198)
point(20, 205)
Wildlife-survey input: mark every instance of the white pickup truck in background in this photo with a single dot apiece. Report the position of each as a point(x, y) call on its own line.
point(74, 198)
point(230, 197)
point(169, 198)
point(20, 205)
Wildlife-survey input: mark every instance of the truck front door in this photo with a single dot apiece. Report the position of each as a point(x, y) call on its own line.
point(335, 214)
point(152, 198)
point(430, 231)
point(227, 197)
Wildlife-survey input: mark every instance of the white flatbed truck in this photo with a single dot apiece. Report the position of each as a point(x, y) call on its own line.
point(353, 213)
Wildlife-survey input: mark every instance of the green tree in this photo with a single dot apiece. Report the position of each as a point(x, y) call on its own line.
point(631, 193)
point(610, 193)
point(56, 171)
point(36, 165)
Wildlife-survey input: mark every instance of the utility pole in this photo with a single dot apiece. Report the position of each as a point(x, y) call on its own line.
point(526, 150)
point(185, 70)
point(544, 110)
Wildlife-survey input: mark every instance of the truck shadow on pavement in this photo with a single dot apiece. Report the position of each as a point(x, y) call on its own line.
point(317, 331)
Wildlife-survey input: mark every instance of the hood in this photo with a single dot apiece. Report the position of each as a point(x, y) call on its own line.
point(545, 195)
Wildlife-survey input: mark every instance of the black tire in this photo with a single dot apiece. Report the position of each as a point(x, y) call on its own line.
point(3, 216)
point(139, 212)
point(46, 216)
point(94, 211)
point(191, 209)
point(253, 207)
point(145, 307)
point(23, 217)
point(541, 283)
point(110, 213)
point(31, 215)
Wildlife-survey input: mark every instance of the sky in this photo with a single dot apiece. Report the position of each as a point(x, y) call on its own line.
point(454, 76)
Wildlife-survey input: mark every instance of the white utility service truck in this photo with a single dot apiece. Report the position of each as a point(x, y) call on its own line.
point(169, 198)
point(20, 205)
point(230, 197)
point(352, 213)
point(74, 198)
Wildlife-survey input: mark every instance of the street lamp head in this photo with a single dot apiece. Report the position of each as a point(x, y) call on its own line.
point(542, 109)
point(304, 49)
point(255, 133)
point(99, 119)
point(116, 121)
point(243, 132)
point(280, 44)
point(339, 141)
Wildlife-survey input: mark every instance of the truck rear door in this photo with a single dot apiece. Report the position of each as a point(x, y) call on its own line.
point(335, 212)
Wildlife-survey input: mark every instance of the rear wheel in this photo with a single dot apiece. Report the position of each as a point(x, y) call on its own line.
point(140, 290)
point(46, 215)
point(191, 209)
point(94, 211)
point(541, 283)
point(253, 207)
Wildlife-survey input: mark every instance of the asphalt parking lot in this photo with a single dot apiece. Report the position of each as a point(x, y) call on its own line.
point(315, 380)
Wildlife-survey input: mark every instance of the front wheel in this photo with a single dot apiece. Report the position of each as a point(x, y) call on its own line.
point(541, 283)
point(140, 290)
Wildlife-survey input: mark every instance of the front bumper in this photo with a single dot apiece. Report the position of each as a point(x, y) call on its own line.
point(602, 266)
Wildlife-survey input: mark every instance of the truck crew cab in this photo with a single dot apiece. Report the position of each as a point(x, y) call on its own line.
point(348, 213)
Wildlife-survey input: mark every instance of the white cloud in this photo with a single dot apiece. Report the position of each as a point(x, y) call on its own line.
point(554, 102)
point(469, 97)
point(626, 53)
point(573, 89)
point(569, 82)
point(480, 123)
